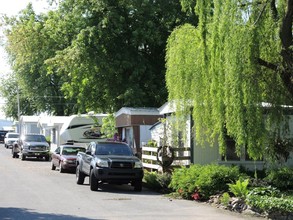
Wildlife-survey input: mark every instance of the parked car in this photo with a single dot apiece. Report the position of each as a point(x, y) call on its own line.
point(10, 138)
point(109, 162)
point(64, 157)
point(31, 145)
point(2, 135)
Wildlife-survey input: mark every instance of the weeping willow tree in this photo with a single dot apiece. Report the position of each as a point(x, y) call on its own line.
point(233, 72)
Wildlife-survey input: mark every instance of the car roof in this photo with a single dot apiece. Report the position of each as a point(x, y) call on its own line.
point(72, 146)
point(111, 142)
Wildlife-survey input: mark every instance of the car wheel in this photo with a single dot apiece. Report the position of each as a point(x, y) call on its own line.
point(22, 157)
point(79, 176)
point(93, 181)
point(13, 154)
point(61, 170)
point(6, 146)
point(137, 185)
point(53, 167)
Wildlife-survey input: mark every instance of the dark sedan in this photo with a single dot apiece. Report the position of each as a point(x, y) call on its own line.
point(64, 157)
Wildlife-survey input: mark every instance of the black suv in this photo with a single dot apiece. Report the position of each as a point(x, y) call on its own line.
point(33, 145)
point(110, 162)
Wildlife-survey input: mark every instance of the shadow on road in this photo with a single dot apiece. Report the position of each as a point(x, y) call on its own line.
point(27, 214)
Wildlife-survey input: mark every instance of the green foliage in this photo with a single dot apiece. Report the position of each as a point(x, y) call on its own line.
point(109, 126)
point(90, 55)
point(157, 181)
point(152, 143)
point(240, 188)
point(265, 191)
point(281, 178)
point(270, 204)
point(279, 149)
point(207, 180)
point(28, 47)
point(151, 180)
point(225, 199)
point(222, 70)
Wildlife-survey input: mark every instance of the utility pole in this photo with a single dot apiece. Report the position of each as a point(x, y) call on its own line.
point(18, 111)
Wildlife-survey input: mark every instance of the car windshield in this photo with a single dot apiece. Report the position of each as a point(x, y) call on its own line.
point(35, 138)
point(113, 149)
point(13, 136)
point(72, 150)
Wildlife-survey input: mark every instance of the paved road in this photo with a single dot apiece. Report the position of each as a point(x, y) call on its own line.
point(30, 190)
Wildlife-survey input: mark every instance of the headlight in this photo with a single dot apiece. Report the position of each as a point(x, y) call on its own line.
point(138, 164)
point(102, 163)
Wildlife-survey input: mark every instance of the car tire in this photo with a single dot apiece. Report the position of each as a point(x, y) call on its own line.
point(6, 146)
point(94, 185)
point(137, 185)
point(13, 155)
point(22, 157)
point(80, 176)
point(61, 170)
point(53, 167)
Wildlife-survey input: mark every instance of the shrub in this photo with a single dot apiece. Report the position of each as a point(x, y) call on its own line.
point(205, 180)
point(151, 180)
point(157, 181)
point(281, 178)
point(183, 180)
point(270, 204)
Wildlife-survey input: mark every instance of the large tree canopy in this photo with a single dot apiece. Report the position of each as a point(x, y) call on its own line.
point(232, 69)
point(93, 55)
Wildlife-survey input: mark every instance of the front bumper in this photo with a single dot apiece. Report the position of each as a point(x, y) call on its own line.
point(118, 175)
point(30, 153)
point(69, 165)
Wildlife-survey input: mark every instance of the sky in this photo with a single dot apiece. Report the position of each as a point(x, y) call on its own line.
point(10, 8)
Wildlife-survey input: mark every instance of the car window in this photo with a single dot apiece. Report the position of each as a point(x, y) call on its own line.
point(72, 150)
point(113, 149)
point(13, 135)
point(35, 138)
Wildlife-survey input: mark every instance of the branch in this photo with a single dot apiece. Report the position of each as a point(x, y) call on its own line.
point(286, 28)
point(267, 64)
point(274, 10)
point(260, 14)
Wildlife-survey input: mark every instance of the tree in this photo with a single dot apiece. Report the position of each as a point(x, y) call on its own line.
point(118, 57)
point(28, 46)
point(93, 55)
point(234, 71)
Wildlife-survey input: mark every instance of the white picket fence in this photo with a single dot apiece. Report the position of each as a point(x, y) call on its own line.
point(149, 158)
